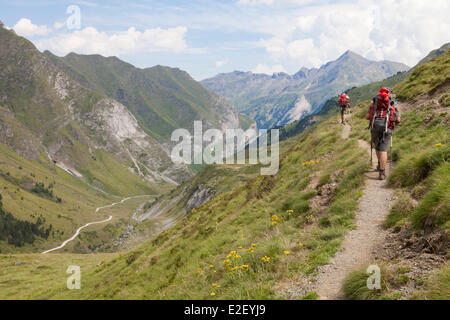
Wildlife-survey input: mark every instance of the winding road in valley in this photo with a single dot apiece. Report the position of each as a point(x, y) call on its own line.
point(92, 223)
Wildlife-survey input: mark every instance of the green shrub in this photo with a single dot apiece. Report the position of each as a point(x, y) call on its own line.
point(415, 168)
point(310, 296)
point(437, 288)
point(133, 257)
point(324, 179)
point(355, 286)
point(435, 206)
point(297, 204)
point(400, 211)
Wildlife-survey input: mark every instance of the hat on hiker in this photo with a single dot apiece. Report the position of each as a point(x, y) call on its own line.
point(384, 93)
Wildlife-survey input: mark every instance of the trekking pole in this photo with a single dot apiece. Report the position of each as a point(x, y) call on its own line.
point(371, 149)
point(390, 161)
point(371, 142)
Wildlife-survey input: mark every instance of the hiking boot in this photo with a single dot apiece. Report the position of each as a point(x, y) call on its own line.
point(382, 175)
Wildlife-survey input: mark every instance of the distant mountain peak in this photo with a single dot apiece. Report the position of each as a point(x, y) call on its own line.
point(350, 55)
point(280, 75)
point(267, 99)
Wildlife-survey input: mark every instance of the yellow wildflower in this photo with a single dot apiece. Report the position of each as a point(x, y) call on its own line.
point(212, 294)
point(240, 247)
point(287, 252)
point(439, 145)
point(211, 266)
point(232, 254)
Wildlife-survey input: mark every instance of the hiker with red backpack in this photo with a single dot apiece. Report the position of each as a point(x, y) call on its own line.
point(384, 115)
point(344, 104)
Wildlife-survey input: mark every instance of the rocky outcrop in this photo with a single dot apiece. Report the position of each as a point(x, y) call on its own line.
point(200, 196)
point(14, 135)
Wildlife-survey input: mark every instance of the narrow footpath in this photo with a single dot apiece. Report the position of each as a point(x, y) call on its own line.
point(358, 246)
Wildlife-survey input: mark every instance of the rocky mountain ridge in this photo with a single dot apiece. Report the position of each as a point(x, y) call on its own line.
point(280, 99)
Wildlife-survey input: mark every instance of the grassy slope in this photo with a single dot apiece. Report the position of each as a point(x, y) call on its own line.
point(217, 179)
point(79, 200)
point(177, 264)
point(422, 152)
point(35, 275)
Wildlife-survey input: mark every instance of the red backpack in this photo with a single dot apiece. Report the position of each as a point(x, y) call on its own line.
point(382, 111)
point(344, 100)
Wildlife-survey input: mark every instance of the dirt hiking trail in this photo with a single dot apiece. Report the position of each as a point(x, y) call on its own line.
point(359, 244)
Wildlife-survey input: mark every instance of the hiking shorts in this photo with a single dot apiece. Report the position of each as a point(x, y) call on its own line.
point(380, 141)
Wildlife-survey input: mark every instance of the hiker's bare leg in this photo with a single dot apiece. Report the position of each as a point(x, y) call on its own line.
point(383, 159)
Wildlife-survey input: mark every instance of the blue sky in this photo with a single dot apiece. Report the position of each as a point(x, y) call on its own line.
point(206, 37)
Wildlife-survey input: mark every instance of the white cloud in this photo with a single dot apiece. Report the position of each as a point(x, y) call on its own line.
point(268, 69)
point(288, 32)
point(87, 3)
point(24, 27)
point(89, 41)
point(58, 25)
point(221, 63)
point(397, 30)
point(254, 2)
point(306, 23)
point(272, 2)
